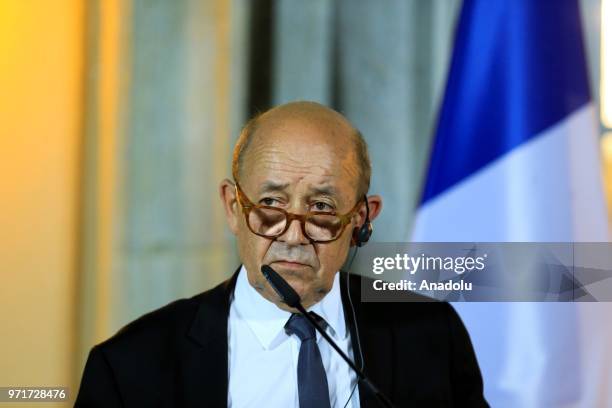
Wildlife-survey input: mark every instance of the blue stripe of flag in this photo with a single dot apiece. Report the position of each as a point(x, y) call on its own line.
point(518, 67)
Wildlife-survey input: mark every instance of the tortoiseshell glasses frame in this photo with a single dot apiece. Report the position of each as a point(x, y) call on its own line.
point(272, 222)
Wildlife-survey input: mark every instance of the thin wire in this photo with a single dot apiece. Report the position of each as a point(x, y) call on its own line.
point(361, 360)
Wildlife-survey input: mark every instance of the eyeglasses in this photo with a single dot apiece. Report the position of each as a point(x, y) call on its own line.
point(271, 222)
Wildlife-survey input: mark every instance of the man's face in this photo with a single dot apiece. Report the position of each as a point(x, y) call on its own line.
point(298, 166)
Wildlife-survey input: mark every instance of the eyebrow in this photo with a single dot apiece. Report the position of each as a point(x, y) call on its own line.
point(271, 186)
point(325, 190)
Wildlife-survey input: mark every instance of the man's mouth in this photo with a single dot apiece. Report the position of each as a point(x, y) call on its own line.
point(290, 264)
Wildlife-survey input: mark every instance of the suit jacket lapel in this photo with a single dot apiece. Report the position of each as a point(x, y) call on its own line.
point(376, 343)
point(203, 375)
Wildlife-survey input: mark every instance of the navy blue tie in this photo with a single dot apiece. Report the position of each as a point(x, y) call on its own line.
point(312, 380)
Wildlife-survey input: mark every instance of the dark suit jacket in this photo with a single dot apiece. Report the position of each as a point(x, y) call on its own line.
point(418, 354)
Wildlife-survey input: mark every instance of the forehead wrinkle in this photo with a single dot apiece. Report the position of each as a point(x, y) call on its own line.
point(277, 159)
point(297, 169)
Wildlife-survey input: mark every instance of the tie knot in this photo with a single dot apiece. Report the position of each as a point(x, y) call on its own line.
point(301, 327)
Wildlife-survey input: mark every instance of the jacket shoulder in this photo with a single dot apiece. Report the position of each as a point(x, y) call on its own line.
point(157, 331)
point(138, 364)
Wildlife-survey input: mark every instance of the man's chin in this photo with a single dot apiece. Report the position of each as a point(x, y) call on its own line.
point(302, 279)
point(298, 282)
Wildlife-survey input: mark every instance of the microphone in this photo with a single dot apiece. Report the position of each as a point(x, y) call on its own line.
point(290, 297)
point(281, 287)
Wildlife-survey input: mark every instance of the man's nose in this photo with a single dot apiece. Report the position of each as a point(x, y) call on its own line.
point(294, 234)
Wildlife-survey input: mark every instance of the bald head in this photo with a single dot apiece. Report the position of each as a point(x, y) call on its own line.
point(311, 124)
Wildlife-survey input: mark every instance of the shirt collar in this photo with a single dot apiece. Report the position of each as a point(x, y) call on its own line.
point(267, 321)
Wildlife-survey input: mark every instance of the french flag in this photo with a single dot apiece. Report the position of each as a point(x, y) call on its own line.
point(516, 158)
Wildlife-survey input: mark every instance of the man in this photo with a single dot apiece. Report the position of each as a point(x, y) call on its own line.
point(297, 203)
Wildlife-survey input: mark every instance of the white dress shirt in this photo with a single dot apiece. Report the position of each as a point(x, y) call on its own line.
point(263, 358)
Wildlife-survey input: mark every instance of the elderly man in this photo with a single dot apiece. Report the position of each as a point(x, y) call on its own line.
point(297, 203)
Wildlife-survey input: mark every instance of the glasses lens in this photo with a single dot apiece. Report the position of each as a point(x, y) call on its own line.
point(271, 222)
point(323, 227)
point(267, 221)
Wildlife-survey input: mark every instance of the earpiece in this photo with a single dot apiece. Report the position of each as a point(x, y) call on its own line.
point(362, 234)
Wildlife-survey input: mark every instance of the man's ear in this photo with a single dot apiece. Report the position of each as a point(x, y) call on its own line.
point(375, 206)
point(227, 192)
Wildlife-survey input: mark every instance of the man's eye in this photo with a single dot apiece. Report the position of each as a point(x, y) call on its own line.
point(321, 206)
point(270, 202)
